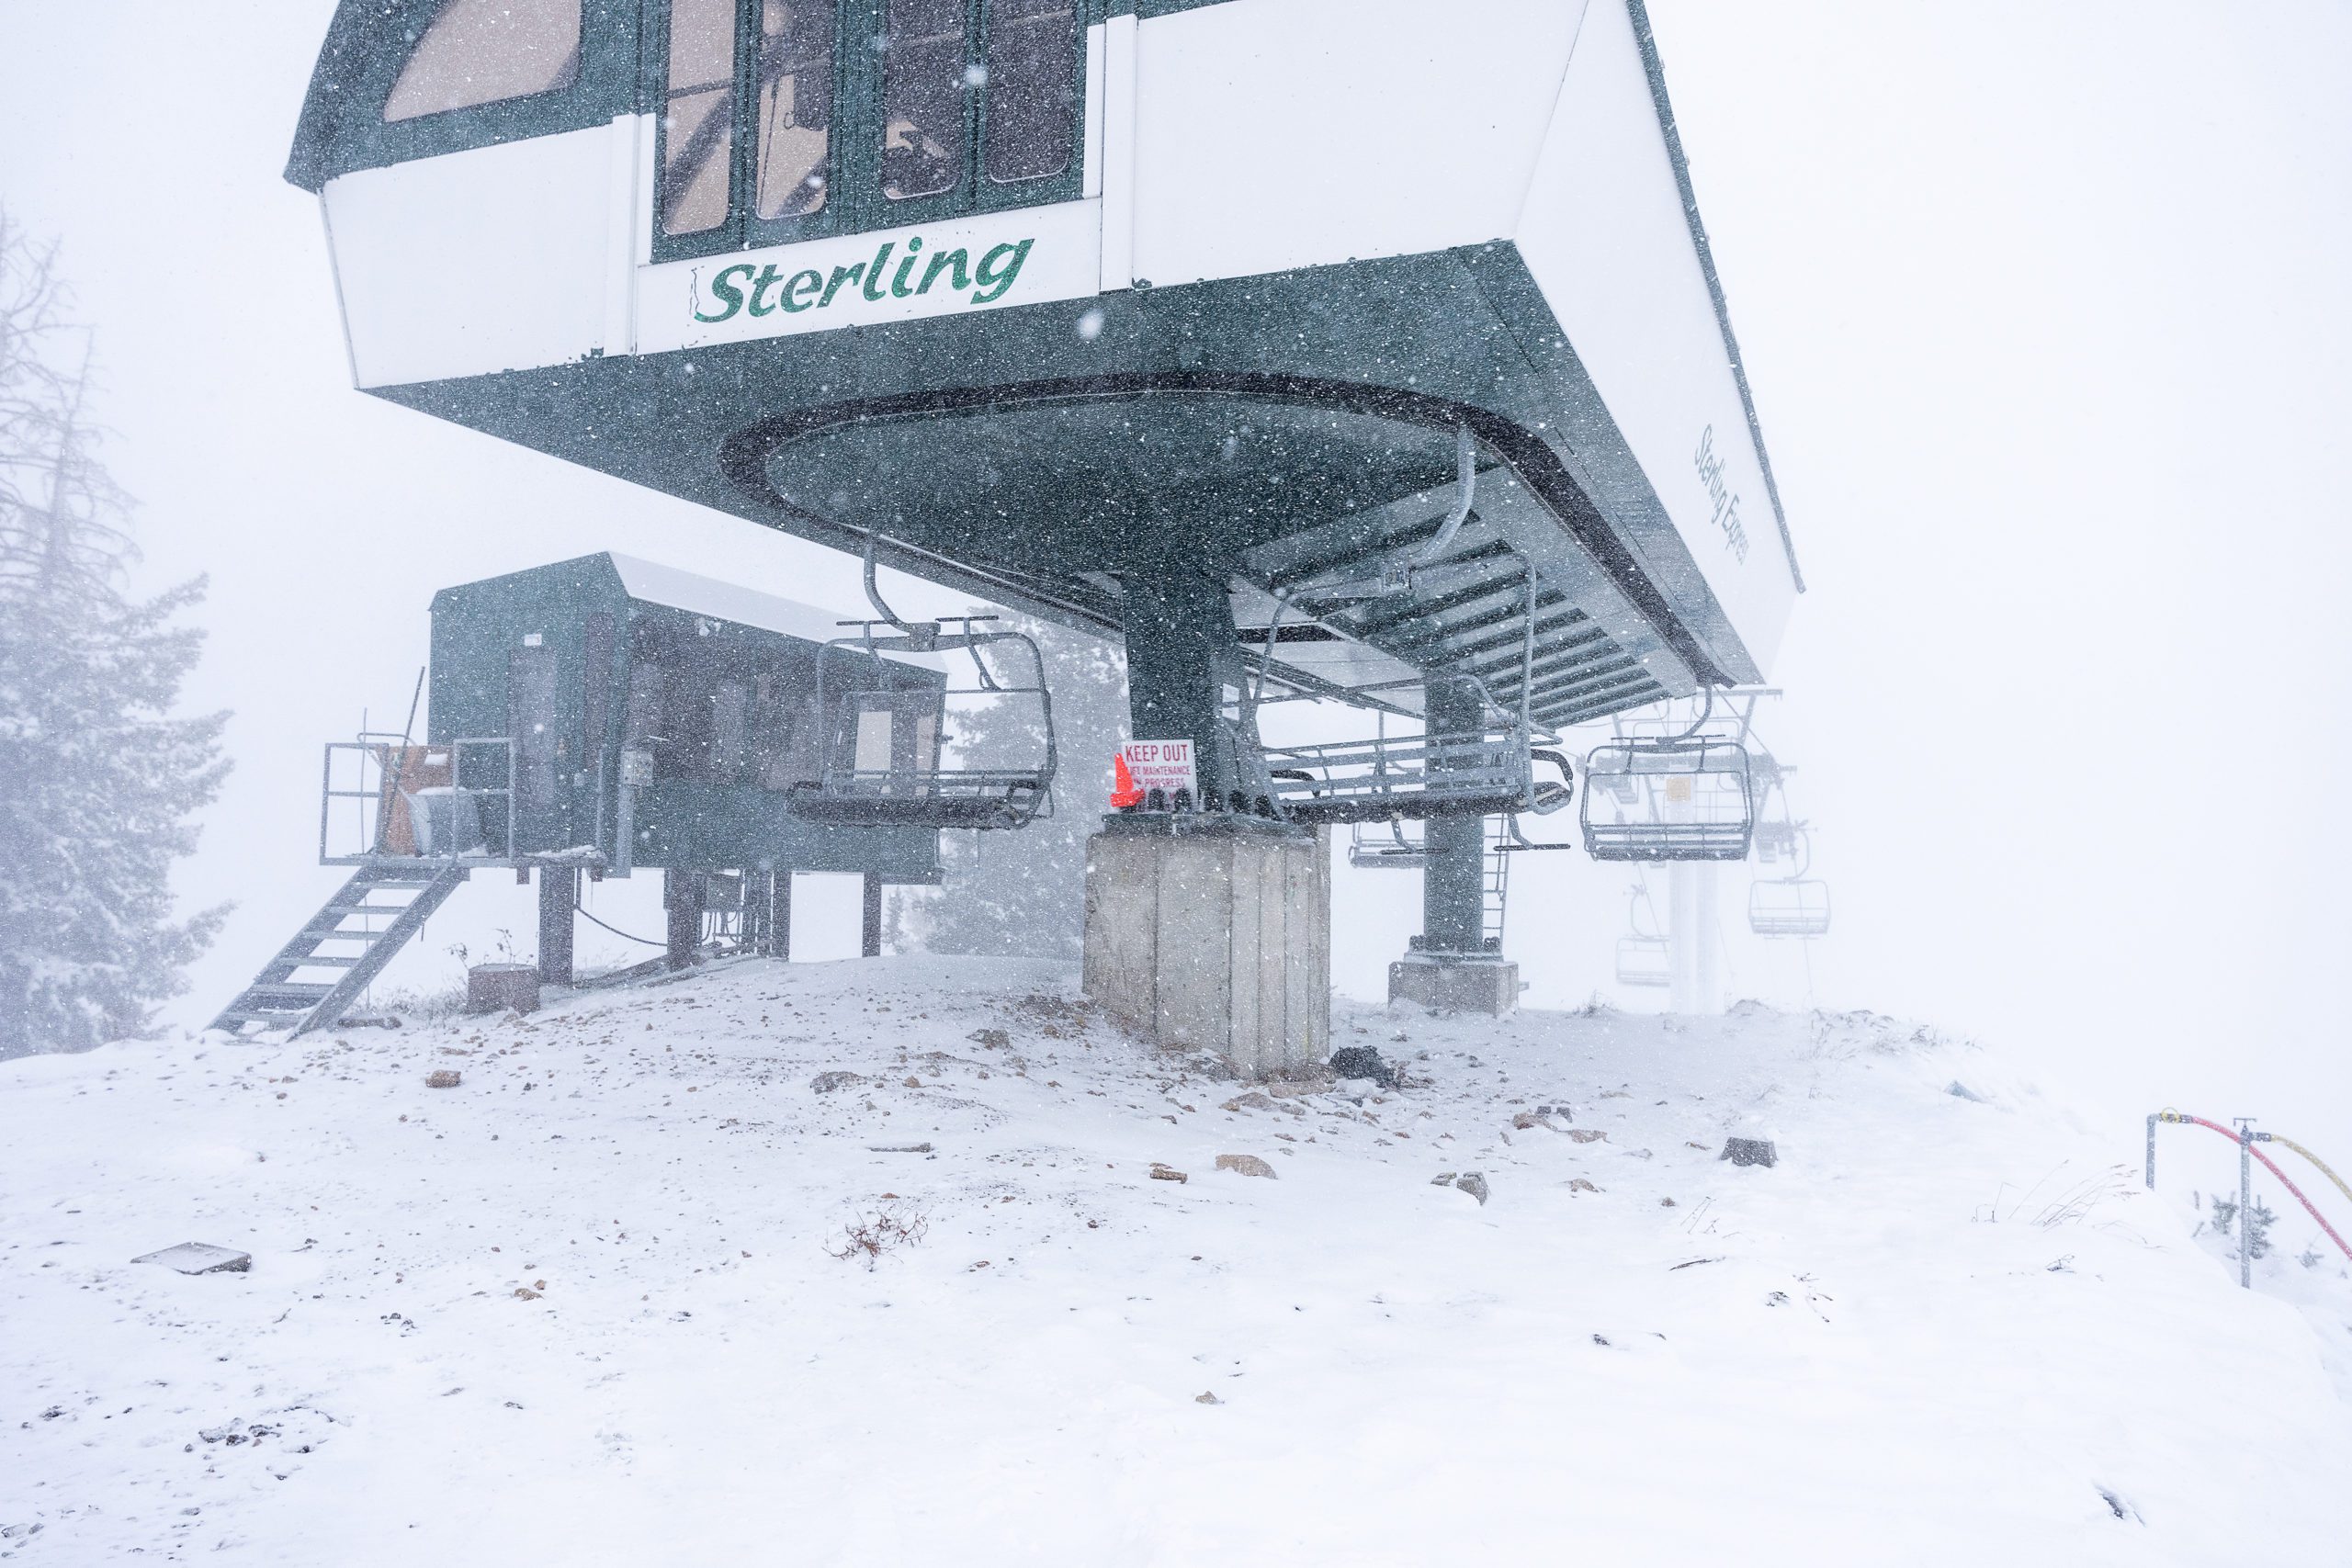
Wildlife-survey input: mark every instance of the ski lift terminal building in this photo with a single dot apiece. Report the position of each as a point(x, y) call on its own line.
point(1366, 350)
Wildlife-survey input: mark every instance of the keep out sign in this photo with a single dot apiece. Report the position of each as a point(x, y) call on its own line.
point(1165, 765)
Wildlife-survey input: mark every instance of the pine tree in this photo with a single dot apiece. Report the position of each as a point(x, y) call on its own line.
point(1022, 894)
point(2258, 1221)
point(98, 778)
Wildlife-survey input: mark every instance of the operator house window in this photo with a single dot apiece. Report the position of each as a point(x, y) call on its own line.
point(923, 76)
point(1032, 81)
point(698, 116)
point(782, 120)
point(795, 86)
point(487, 51)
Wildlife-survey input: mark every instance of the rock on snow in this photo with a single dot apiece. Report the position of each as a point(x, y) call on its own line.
point(593, 1304)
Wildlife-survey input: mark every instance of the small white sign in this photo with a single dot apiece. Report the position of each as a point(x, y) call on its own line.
point(1163, 765)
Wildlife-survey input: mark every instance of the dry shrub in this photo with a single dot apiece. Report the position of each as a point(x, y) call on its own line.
point(891, 1224)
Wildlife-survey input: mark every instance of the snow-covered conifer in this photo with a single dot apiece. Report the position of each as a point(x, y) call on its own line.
point(98, 778)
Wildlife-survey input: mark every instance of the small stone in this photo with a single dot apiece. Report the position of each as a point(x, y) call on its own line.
point(913, 1081)
point(825, 1083)
point(442, 1077)
point(1443, 1179)
point(1588, 1134)
point(1666, 1202)
point(1244, 1164)
point(1206, 1399)
point(1578, 1184)
point(1470, 1181)
point(994, 1039)
point(524, 1293)
point(1750, 1151)
point(1959, 1090)
point(1255, 1100)
point(1167, 1173)
point(1362, 1062)
point(1526, 1121)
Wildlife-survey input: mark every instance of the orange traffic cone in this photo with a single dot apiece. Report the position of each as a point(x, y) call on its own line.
point(1125, 796)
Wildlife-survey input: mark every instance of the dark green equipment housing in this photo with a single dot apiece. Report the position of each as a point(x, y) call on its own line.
point(658, 719)
point(605, 715)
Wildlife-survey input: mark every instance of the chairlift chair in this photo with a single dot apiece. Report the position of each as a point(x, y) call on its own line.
point(1644, 958)
point(1797, 907)
point(1687, 799)
point(1390, 850)
point(882, 764)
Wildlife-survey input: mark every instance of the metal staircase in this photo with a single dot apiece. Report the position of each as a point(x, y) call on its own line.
point(276, 999)
point(1495, 886)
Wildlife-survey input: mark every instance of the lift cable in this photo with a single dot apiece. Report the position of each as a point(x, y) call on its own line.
point(581, 909)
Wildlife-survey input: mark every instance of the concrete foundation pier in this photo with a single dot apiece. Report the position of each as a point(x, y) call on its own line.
point(1455, 982)
point(1213, 933)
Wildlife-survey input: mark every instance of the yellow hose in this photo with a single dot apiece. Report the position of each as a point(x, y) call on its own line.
point(2315, 1160)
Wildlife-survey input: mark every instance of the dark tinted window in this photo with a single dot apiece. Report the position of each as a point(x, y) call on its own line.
point(1032, 89)
point(922, 97)
point(485, 52)
point(796, 84)
point(698, 116)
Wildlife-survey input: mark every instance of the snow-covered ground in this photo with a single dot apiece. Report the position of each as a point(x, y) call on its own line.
point(584, 1307)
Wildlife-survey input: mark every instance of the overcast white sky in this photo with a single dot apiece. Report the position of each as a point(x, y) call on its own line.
point(2043, 304)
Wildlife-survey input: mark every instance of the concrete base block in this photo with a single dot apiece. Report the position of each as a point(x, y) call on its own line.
point(1215, 941)
point(490, 987)
point(1447, 984)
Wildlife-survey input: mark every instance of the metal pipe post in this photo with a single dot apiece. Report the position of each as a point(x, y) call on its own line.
point(681, 898)
point(2246, 1203)
point(2151, 1151)
point(872, 937)
point(559, 891)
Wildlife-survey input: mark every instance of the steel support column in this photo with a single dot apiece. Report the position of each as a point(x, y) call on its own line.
point(682, 899)
point(559, 891)
point(1452, 877)
point(1179, 627)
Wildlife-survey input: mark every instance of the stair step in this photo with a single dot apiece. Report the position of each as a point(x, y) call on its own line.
point(249, 1015)
point(327, 961)
point(289, 989)
point(376, 882)
point(364, 909)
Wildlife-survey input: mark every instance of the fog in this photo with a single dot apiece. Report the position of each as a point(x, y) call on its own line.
point(2042, 307)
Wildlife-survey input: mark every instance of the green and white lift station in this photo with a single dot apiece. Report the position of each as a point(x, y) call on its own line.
point(1319, 349)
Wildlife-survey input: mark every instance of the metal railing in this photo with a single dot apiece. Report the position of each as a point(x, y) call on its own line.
point(1412, 776)
point(448, 813)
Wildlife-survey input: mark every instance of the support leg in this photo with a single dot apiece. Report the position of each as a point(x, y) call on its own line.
point(559, 891)
point(1179, 627)
point(871, 944)
point(681, 898)
point(780, 915)
point(1450, 969)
